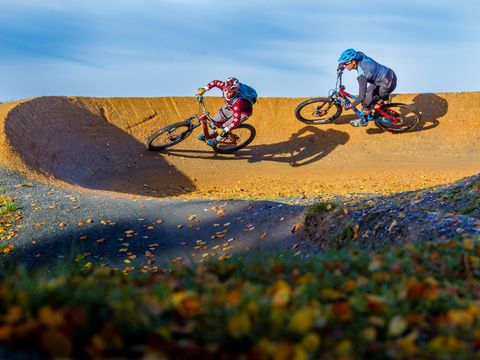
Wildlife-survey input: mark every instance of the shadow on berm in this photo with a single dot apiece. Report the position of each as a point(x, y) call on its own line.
point(304, 147)
point(431, 107)
point(58, 138)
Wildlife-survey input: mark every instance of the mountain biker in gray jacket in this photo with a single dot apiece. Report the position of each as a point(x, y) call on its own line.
point(374, 81)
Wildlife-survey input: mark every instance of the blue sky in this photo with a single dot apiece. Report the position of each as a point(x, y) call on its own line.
point(282, 48)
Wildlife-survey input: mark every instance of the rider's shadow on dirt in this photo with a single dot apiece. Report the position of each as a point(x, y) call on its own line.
point(304, 147)
point(431, 107)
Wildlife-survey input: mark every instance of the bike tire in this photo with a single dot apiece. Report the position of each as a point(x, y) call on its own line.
point(333, 111)
point(247, 138)
point(154, 144)
point(409, 116)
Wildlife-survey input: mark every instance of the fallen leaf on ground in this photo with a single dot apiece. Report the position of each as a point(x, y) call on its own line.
point(397, 326)
point(296, 228)
point(355, 231)
point(394, 223)
point(249, 227)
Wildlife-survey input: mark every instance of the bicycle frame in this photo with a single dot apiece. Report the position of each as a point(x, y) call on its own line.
point(206, 121)
point(342, 97)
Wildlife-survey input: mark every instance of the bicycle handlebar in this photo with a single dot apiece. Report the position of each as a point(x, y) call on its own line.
point(200, 101)
point(205, 111)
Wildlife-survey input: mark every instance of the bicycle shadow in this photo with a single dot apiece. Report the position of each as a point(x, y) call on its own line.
point(304, 147)
point(431, 107)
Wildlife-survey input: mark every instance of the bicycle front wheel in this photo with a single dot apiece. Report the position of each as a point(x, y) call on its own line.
point(236, 139)
point(401, 118)
point(169, 135)
point(317, 111)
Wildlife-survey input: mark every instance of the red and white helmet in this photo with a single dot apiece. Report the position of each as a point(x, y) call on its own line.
point(231, 84)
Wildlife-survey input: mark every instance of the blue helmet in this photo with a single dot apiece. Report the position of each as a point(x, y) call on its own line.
point(347, 56)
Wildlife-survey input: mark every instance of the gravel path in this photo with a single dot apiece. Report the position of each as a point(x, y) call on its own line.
point(131, 231)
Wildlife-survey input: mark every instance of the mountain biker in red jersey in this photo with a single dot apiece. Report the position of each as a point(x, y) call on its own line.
point(380, 79)
point(239, 100)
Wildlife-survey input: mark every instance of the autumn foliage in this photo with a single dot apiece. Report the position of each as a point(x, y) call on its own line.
point(419, 301)
point(10, 217)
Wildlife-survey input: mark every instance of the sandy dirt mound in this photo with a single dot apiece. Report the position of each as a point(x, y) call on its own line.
point(98, 144)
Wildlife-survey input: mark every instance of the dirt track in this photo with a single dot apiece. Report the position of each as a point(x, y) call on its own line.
point(98, 144)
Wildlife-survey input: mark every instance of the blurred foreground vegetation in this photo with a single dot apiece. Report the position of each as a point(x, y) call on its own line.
point(418, 301)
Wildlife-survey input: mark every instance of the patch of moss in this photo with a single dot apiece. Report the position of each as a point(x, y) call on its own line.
point(471, 206)
point(344, 237)
point(323, 207)
point(9, 208)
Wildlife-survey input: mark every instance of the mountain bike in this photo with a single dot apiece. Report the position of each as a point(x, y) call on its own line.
point(170, 135)
point(393, 117)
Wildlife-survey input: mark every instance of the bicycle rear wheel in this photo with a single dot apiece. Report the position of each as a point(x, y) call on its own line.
point(169, 135)
point(236, 139)
point(317, 111)
point(405, 118)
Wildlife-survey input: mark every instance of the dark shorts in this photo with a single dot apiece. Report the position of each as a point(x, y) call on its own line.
point(382, 89)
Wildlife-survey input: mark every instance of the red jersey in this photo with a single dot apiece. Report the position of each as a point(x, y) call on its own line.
point(238, 105)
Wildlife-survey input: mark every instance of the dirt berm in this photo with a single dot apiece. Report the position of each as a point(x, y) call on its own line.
point(99, 144)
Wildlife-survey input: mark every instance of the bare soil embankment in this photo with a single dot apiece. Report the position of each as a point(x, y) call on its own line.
point(437, 214)
point(98, 144)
